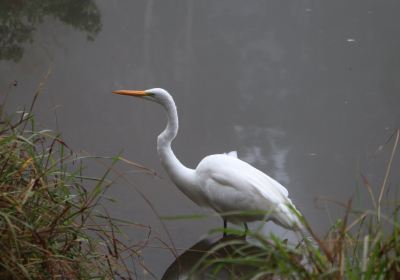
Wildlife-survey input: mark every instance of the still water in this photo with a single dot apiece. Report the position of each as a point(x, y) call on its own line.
point(308, 92)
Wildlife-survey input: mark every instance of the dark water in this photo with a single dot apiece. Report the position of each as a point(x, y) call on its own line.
point(307, 91)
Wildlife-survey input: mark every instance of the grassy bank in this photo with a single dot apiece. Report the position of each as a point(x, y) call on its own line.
point(51, 226)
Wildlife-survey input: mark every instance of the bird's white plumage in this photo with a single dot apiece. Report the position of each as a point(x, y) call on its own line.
point(231, 185)
point(221, 182)
point(232, 154)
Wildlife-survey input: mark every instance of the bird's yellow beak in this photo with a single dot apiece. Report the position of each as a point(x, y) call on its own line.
point(137, 93)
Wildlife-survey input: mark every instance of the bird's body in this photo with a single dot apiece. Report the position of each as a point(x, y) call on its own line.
point(222, 182)
point(242, 192)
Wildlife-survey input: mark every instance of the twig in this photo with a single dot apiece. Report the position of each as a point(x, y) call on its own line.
point(389, 167)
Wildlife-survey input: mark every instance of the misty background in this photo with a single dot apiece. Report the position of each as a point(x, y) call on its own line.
point(306, 91)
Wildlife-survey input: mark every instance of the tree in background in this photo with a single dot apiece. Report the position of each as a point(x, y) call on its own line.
point(19, 18)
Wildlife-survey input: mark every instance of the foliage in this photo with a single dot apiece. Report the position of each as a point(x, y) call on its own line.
point(51, 225)
point(19, 18)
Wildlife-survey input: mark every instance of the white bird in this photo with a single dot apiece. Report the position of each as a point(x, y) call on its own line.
point(236, 190)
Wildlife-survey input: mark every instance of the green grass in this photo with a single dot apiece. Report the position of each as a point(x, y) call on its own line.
point(51, 226)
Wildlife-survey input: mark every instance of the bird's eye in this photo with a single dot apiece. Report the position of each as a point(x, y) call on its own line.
point(150, 94)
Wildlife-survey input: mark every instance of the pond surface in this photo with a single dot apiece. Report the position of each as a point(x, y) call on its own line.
point(307, 91)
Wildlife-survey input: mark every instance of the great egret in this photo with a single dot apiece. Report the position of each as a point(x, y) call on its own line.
point(222, 182)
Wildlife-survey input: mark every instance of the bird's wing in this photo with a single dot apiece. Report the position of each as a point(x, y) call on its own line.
point(231, 185)
point(263, 180)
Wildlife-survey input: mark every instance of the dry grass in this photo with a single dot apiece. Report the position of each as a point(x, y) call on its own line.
point(51, 223)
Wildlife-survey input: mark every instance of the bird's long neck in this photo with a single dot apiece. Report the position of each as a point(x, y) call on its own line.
point(179, 174)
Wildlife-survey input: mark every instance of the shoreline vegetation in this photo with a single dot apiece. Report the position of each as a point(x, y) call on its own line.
point(53, 225)
point(52, 221)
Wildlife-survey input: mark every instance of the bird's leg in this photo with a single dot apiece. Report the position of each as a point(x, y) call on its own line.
point(246, 229)
point(225, 224)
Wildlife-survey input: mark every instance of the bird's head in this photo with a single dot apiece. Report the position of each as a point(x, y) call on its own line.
point(157, 95)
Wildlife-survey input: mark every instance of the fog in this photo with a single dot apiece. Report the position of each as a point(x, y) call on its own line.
point(306, 91)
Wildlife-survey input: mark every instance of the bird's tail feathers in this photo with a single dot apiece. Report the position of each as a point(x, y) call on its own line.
point(287, 217)
point(290, 218)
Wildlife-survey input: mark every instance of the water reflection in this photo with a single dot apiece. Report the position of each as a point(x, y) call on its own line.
point(19, 18)
point(264, 148)
point(183, 266)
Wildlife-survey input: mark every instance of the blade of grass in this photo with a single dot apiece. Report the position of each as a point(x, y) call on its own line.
point(388, 169)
